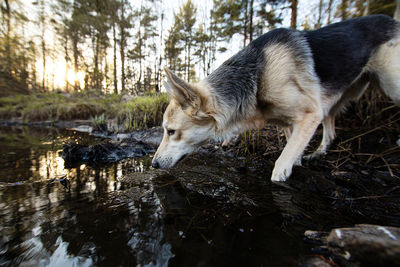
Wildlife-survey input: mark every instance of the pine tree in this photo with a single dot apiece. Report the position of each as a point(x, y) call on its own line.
point(181, 38)
point(248, 18)
point(173, 46)
point(124, 25)
point(187, 14)
point(144, 44)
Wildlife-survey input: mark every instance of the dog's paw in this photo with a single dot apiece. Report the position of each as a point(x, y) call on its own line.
point(298, 162)
point(280, 175)
point(316, 155)
point(226, 142)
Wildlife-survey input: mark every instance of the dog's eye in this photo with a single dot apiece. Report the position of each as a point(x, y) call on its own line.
point(170, 132)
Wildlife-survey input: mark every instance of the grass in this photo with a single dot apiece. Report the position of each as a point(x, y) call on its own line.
point(138, 113)
point(142, 112)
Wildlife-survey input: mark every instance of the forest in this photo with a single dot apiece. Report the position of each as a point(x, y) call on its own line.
point(121, 46)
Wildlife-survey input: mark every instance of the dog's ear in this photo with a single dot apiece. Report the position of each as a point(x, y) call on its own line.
point(181, 91)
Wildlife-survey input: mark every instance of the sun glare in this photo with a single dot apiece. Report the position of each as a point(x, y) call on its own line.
point(57, 74)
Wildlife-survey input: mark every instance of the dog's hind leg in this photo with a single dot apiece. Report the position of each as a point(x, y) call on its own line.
point(386, 64)
point(303, 130)
point(328, 135)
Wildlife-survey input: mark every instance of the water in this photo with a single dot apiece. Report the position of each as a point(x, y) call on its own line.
point(55, 216)
point(213, 210)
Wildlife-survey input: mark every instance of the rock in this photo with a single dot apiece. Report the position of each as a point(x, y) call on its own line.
point(107, 152)
point(369, 244)
point(316, 236)
point(316, 262)
point(362, 245)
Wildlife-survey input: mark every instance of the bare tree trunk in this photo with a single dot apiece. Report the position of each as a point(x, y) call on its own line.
point(76, 62)
point(66, 58)
point(329, 10)
point(319, 14)
point(43, 43)
point(115, 61)
point(158, 77)
point(246, 19)
point(122, 54)
point(122, 50)
point(366, 10)
point(293, 19)
point(397, 12)
point(343, 9)
point(189, 62)
point(251, 30)
point(8, 38)
point(96, 64)
point(138, 83)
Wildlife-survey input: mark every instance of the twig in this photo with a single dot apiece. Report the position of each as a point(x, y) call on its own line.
point(367, 132)
point(387, 165)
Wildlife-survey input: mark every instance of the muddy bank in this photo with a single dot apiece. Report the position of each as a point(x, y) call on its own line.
point(220, 200)
point(217, 210)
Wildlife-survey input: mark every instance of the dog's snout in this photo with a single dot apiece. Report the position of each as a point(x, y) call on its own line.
point(155, 164)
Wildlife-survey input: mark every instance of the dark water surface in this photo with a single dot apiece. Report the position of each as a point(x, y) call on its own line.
point(211, 211)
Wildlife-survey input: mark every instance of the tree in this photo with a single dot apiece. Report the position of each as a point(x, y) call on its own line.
point(42, 26)
point(114, 7)
point(144, 44)
point(173, 46)
point(98, 28)
point(181, 38)
point(293, 16)
point(62, 10)
point(248, 18)
point(77, 30)
point(187, 14)
point(203, 39)
point(269, 15)
point(124, 24)
point(6, 10)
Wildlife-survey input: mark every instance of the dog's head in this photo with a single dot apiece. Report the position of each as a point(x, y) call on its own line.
point(187, 122)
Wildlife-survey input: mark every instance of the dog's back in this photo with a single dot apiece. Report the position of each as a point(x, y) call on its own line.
point(342, 50)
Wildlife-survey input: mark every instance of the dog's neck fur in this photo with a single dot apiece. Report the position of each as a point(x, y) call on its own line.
point(228, 115)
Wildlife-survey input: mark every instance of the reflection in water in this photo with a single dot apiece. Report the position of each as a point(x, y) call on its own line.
point(51, 215)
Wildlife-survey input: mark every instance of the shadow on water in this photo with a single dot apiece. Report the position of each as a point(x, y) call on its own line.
point(212, 210)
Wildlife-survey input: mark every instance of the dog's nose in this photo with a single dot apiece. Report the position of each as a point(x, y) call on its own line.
point(155, 164)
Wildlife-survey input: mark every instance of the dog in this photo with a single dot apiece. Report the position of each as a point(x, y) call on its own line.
point(295, 79)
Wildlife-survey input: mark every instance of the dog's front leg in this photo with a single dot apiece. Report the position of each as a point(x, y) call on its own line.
point(303, 129)
point(288, 134)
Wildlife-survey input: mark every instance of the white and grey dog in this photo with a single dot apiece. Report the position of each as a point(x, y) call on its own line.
point(296, 79)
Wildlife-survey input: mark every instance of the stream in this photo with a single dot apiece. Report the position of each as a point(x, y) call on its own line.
point(214, 209)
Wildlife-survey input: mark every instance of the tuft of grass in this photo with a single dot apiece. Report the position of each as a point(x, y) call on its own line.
point(250, 142)
point(100, 123)
point(142, 112)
